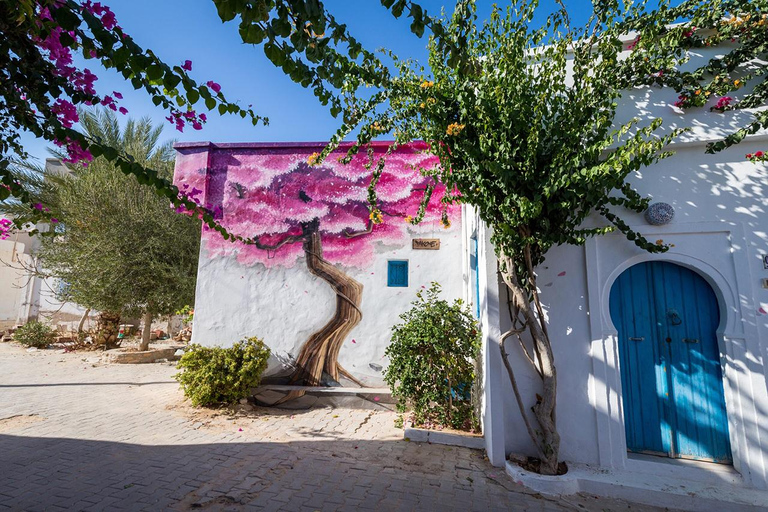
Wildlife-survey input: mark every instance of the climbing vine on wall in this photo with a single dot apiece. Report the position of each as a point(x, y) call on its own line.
point(735, 78)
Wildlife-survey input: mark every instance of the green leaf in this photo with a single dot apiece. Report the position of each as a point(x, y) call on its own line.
point(397, 8)
point(193, 96)
point(154, 72)
point(274, 54)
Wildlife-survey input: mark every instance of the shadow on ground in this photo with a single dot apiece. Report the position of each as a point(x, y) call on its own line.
point(74, 474)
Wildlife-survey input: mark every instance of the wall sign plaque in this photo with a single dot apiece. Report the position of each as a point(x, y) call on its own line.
point(432, 244)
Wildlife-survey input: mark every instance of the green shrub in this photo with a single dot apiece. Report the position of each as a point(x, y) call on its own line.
point(215, 375)
point(431, 369)
point(35, 334)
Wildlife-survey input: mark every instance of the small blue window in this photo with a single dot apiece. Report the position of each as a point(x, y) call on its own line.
point(397, 273)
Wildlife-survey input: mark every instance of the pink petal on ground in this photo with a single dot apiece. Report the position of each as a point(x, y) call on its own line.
point(561, 274)
point(763, 311)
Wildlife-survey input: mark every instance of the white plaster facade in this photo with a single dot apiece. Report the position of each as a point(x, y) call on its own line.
point(720, 232)
point(25, 297)
point(284, 306)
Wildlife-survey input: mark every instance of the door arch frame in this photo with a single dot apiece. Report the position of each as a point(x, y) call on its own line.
point(726, 298)
point(607, 257)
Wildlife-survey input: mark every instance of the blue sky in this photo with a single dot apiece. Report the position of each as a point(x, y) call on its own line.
point(190, 29)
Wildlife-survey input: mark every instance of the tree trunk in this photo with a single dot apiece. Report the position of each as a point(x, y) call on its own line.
point(545, 408)
point(108, 327)
point(146, 331)
point(82, 320)
point(320, 352)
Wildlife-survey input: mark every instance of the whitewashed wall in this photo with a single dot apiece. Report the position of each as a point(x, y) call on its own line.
point(12, 282)
point(284, 306)
point(720, 230)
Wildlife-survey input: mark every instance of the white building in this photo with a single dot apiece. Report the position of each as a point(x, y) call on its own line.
point(662, 393)
point(25, 296)
point(660, 357)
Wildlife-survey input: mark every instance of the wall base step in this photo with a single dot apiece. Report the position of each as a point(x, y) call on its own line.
point(649, 489)
point(320, 396)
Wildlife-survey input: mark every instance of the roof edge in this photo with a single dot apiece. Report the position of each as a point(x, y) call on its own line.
point(377, 145)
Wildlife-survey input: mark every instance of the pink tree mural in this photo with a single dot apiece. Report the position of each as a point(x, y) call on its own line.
point(321, 212)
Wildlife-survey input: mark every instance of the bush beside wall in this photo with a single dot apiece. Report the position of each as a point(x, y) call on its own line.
point(431, 370)
point(214, 375)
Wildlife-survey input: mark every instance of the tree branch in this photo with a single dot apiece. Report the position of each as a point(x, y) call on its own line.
point(352, 234)
point(287, 240)
point(520, 404)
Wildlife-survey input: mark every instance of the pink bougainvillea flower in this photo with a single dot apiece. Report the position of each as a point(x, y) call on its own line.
point(123, 110)
point(117, 95)
point(54, 220)
point(723, 103)
point(66, 112)
point(5, 228)
point(187, 66)
point(75, 152)
point(213, 86)
point(38, 206)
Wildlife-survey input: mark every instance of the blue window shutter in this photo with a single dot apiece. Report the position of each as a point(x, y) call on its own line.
point(397, 273)
point(473, 263)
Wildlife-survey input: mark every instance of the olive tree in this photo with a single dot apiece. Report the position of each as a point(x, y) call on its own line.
point(119, 247)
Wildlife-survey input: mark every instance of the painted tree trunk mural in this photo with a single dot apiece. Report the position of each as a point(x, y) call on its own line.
point(291, 208)
point(320, 352)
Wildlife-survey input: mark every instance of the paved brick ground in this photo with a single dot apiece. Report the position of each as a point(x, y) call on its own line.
point(79, 435)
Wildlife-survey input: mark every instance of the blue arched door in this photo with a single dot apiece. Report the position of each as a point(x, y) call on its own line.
point(672, 385)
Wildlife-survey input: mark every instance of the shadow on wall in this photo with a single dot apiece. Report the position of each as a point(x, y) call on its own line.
point(702, 188)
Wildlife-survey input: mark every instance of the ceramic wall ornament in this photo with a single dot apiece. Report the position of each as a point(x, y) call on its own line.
point(659, 214)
